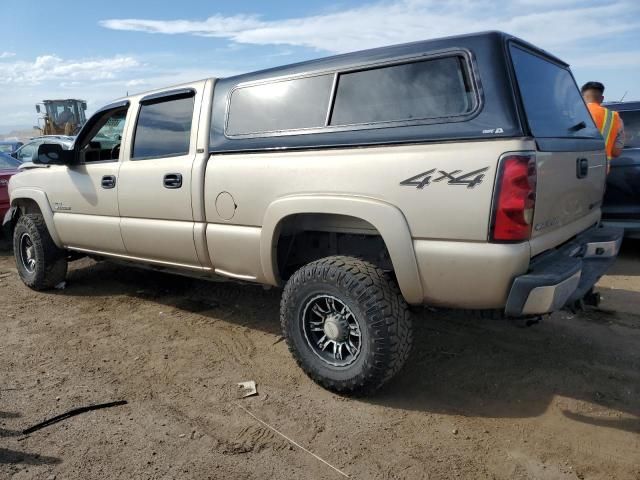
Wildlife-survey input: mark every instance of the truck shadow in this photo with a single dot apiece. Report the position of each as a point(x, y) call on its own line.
point(248, 305)
point(461, 365)
point(6, 432)
point(467, 366)
point(15, 457)
point(628, 262)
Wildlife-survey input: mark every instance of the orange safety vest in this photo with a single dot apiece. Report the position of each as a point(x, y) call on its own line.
point(608, 122)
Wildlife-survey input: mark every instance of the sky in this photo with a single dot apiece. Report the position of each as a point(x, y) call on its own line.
point(98, 51)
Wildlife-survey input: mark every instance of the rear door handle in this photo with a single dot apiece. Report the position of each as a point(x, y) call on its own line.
point(172, 180)
point(582, 167)
point(108, 181)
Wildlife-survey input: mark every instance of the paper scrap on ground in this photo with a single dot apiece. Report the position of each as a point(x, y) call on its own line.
point(249, 388)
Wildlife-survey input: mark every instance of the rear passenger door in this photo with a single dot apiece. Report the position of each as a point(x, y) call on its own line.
point(154, 195)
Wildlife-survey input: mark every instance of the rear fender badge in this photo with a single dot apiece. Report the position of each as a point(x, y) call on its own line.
point(455, 177)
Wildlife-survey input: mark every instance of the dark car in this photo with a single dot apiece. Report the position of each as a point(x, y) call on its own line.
point(29, 150)
point(8, 167)
point(10, 146)
point(621, 205)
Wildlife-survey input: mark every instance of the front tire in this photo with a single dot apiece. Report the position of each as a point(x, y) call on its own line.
point(346, 324)
point(40, 263)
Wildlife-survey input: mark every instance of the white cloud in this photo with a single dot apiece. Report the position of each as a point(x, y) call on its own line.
point(217, 23)
point(25, 83)
point(622, 60)
point(136, 82)
point(579, 31)
point(51, 67)
point(406, 20)
point(98, 81)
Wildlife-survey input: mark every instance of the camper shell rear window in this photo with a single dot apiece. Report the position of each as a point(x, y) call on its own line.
point(551, 99)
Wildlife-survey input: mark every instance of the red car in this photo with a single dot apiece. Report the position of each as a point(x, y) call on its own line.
point(8, 167)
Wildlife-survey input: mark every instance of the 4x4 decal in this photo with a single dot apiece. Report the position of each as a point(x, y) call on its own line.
point(454, 177)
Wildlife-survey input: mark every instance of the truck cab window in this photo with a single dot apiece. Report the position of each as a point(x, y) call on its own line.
point(163, 128)
point(103, 142)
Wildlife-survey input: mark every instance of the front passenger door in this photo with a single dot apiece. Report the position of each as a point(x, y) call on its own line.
point(84, 195)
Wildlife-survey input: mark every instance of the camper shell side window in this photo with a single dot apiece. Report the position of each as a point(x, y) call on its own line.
point(435, 89)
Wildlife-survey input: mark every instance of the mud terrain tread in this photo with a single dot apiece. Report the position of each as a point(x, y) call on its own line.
point(387, 315)
point(51, 262)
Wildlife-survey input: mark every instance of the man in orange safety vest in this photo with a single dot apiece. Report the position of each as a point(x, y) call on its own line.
point(608, 121)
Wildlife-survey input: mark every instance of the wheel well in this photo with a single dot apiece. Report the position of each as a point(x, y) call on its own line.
point(304, 238)
point(26, 205)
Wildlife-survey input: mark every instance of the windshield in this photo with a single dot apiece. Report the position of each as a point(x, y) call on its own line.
point(6, 147)
point(7, 162)
point(631, 120)
point(552, 101)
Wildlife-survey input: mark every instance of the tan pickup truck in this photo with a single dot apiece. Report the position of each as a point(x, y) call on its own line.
point(462, 172)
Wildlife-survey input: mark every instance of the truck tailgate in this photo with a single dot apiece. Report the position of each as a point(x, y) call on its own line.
point(570, 186)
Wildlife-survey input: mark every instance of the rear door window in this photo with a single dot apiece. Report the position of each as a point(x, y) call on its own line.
point(552, 102)
point(412, 91)
point(164, 128)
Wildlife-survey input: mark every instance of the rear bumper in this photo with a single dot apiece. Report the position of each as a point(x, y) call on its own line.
point(564, 275)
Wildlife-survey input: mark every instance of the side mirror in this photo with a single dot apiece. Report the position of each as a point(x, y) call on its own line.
point(53, 154)
point(38, 108)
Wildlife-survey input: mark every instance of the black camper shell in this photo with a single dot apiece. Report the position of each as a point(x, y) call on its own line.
point(463, 88)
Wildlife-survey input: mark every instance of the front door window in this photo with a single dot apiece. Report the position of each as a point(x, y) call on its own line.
point(103, 142)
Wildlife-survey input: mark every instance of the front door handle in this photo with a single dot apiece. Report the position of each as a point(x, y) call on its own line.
point(172, 180)
point(108, 181)
point(582, 167)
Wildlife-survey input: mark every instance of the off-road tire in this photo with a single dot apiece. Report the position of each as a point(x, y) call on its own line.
point(50, 261)
point(374, 299)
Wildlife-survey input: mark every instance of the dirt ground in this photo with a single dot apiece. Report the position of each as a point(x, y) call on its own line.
point(478, 399)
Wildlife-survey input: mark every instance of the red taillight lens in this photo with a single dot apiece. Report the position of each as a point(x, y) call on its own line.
point(515, 199)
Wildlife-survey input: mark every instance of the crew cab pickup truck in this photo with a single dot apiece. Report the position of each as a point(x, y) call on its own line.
point(462, 172)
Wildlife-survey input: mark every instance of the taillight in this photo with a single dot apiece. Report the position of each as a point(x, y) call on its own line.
point(515, 199)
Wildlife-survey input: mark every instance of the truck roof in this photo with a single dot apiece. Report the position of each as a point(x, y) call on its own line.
point(362, 56)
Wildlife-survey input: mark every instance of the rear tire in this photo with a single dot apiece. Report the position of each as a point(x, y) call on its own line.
point(40, 263)
point(346, 324)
